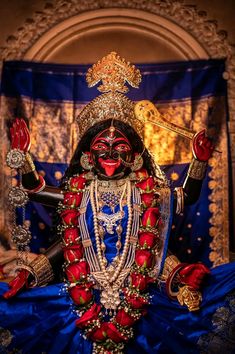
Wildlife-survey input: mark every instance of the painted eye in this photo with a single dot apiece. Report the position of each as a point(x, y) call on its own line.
point(99, 146)
point(122, 147)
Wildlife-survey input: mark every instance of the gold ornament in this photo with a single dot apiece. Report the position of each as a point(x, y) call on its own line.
point(147, 112)
point(114, 73)
point(197, 169)
point(138, 163)
point(85, 163)
point(15, 158)
point(189, 297)
point(28, 166)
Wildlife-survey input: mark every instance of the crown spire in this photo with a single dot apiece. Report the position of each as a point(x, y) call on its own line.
point(114, 72)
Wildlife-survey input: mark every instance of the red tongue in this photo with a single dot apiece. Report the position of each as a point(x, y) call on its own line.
point(109, 170)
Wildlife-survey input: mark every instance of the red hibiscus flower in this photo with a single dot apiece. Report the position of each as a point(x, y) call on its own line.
point(147, 185)
point(77, 183)
point(77, 271)
point(150, 217)
point(88, 316)
point(148, 199)
point(124, 319)
point(144, 258)
point(81, 294)
point(71, 235)
point(148, 239)
point(70, 217)
point(135, 301)
point(73, 253)
point(140, 281)
point(72, 199)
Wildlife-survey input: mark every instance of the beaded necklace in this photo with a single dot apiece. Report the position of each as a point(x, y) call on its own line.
point(86, 269)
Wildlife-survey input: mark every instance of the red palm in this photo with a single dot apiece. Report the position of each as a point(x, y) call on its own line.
point(20, 137)
point(202, 146)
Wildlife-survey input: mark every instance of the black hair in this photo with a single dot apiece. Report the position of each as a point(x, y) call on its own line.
point(85, 143)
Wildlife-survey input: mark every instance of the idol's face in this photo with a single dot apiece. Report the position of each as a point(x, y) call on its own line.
point(110, 149)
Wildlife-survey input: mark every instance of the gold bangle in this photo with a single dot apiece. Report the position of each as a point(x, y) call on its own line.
point(197, 169)
point(170, 263)
point(28, 165)
point(42, 270)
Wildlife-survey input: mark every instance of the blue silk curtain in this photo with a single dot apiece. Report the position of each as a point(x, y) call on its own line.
point(191, 94)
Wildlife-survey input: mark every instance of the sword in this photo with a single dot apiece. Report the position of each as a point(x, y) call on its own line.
point(147, 112)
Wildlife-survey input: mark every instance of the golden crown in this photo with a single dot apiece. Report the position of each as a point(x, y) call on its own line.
point(113, 72)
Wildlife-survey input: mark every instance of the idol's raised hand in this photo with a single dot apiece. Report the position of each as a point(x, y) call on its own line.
point(20, 137)
point(202, 146)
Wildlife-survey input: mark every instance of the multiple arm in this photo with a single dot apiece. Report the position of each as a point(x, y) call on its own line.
point(184, 280)
point(45, 267)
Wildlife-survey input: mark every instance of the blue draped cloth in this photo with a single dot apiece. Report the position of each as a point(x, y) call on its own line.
point(42, 320)
point(191, 94)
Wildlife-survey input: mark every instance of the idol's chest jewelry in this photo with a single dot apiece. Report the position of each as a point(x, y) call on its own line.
point(109, 194)
point(109, 221)
point(110, 278)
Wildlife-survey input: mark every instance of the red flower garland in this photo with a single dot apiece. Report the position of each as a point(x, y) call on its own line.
point(109, 336)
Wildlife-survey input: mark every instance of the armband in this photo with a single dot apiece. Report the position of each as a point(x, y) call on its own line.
point(41, 270)
point(197, 169)
point(28, 165)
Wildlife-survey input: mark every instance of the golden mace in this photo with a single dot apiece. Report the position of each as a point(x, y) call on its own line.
point(147, 112)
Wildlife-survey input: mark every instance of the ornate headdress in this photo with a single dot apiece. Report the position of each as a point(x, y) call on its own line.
point(114, 72)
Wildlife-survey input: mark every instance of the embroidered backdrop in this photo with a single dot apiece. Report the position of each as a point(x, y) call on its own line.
point(191, 94)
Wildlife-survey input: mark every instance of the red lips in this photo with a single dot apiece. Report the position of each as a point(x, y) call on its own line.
point(109, 165)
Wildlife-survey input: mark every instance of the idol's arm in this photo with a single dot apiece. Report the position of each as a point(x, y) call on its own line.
point(190, 192)
point(46, 268)
point(193, 182)
point(183, 281)
point(38, 191)
point(43, 270)
point(31, 180)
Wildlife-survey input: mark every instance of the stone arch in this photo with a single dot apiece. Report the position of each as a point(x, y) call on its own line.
point(189, 34)
point(98, 23)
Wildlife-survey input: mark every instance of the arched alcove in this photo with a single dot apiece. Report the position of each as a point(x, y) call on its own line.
point(137, 35)
point(139, 31)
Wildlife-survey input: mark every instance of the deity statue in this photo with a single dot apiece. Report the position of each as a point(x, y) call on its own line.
point(115, 208)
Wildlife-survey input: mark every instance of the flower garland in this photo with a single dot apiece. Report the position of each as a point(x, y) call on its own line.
point(110, 336)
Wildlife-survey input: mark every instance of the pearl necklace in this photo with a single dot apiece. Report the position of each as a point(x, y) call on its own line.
point(101, 260)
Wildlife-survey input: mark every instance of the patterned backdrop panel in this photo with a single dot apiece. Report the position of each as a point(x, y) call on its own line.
point(191, 94)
